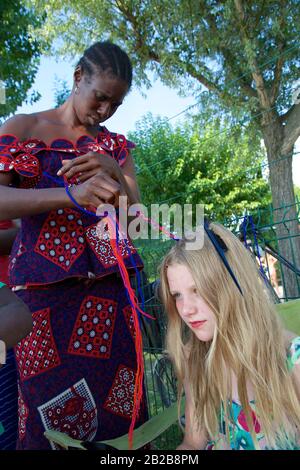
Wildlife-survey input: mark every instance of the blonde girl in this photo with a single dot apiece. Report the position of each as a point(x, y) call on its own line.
point(239, 369)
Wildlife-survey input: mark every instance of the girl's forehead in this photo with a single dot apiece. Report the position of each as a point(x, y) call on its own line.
point(179, 274)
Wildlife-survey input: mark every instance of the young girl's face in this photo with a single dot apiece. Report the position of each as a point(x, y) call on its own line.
point(190, 305)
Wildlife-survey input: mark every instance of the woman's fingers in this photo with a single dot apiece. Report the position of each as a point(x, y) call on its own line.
point(70, 170)
point(88, 162)
point(107, 189)
point(100, 188)
point(86, 198)
point(103, 180)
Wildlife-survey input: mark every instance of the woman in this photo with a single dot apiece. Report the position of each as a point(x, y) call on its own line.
point(77, 368)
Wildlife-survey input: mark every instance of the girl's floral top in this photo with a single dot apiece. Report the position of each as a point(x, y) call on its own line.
point(240, 437)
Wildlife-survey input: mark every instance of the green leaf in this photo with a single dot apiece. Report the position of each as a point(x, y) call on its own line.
point(146, 433)
point(63, 440)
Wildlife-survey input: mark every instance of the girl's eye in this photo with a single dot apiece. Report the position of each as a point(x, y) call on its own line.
point(176, 295)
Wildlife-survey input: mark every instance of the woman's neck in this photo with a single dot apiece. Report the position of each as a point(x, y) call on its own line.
point(67, 115)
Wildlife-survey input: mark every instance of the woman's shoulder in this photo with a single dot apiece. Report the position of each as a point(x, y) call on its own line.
point(20, 125)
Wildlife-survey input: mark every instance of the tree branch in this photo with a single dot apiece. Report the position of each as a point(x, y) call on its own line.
point(228, 56)
point(246, 87)
point(132, 19)
point(277, 76)
point(291, 129)
point(207, 83)
point(140, 43)
point(256, 73)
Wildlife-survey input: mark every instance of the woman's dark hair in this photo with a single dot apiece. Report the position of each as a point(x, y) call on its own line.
point(106, 56)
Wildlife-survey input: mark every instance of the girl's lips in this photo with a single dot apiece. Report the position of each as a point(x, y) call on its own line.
point(197, 324)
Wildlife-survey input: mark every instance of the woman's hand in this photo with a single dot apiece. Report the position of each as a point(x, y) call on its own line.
point(88, 165)
point(97, 190)
point(93, 164)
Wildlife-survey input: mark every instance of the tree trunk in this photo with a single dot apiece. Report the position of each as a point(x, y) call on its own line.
point(285, 213)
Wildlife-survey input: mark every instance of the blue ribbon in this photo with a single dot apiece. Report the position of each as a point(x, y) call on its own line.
point(221, 252)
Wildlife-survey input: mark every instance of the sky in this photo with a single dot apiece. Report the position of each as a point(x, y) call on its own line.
point(160, 100)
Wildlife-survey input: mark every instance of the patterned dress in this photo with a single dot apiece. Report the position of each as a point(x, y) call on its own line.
point(77, 367)
point(240, 437)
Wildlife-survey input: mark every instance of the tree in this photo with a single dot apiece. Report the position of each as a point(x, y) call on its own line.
point(188, 165)
point(19, 54)
point(244, 54)
point(61, 92)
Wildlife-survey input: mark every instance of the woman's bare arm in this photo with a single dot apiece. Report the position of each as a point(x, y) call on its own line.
point(194, 439)
point(7, 238)
point(15, 318)
point(18, 203)
point(132, 189)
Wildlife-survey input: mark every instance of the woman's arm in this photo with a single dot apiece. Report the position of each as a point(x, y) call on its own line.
point(15, 318)
point(130, 178)
point(17, 203)
point(7, 238)
point(194, 439)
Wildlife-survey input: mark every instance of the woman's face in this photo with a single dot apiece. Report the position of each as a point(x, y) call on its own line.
point(98, 97)
point(190, 305)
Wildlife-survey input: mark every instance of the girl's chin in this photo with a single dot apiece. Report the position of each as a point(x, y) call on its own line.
point(203, 336)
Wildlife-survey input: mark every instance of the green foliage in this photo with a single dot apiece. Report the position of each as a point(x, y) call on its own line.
point(188, 43)
point(19, 53)
point(191, 165)
point(61, 92)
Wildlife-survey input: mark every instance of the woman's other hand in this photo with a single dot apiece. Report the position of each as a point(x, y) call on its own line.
point(91, 164)
point(88, 165)
point(98, 189)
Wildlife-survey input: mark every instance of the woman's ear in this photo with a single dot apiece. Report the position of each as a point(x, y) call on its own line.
point(77, 75)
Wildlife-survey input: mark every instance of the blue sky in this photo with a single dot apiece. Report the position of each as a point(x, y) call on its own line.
point(159, 100)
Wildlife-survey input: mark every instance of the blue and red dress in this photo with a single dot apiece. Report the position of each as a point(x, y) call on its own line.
point(77, 367)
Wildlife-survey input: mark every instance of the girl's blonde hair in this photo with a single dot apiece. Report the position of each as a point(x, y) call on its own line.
point(248, 340)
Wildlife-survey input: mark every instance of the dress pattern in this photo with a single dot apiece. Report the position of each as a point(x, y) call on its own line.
point(77, 367)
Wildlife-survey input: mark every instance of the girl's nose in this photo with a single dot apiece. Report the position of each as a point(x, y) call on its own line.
point(188, 308)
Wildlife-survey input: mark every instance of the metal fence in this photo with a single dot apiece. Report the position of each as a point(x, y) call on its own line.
point(270, 234)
